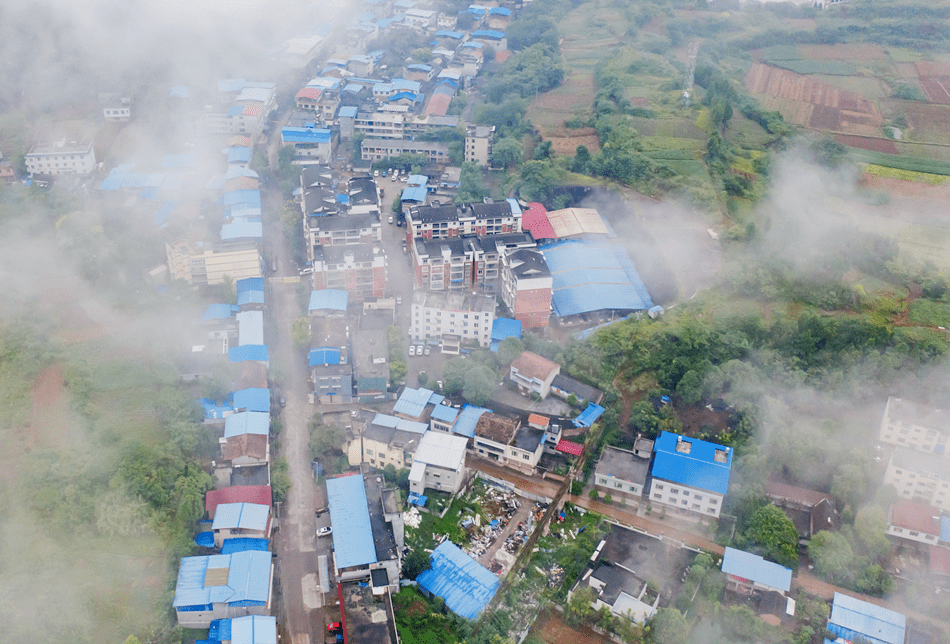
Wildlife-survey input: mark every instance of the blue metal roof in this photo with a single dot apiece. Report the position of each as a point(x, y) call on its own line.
point(256, 94)
point(231, 85)
point(247, 516)
point(515, 206)
point(591, 276)
point(850, 616)
point(419, 67)
point(219, 630)
point(464, 584)
point(241, 544)
point(348, 111)
point(250, 327)
point(503, 328)
point(247, 422)
point(236, 110)
point(254, 629)
point(213, 409)
point(415, 193)
point(488, 33)
point(220, 312)
point(401, 95)
point(183, 160)
point(328, 298)
point(444, 413)
point(412, 402)
point(945, 529)
point(755, 568)
point(239, 154)
point(248, 580)
point(468, 417)
point(698, 468)
point(349, 515)
point(250, 290)
point(305, 135)
point(500, 11)
point(241, 196)
point(240, 171)
point(253, 399)
point(149, 193)
point(257, 352)
point(472, 45)
point(445, 33)
point(385, 420)
point(324, 355)
point(590, 415)
point(242, 230)
point(205, 539)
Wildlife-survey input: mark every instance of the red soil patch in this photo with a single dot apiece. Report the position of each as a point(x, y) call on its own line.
point(937, 89)
point(907, 188)
point(49, 423)
point(867, 143)
point(551, 629)
point(932, 119)
point(568, 144)
point(932, 68)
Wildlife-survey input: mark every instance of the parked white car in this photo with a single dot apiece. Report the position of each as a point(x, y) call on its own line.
point(412, 349)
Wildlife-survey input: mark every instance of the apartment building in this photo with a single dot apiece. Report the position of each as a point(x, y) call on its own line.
point(311, 144)
point(358, 269)
point(690, 476)
point(533, 373)
point(478, 143)
point(469, 317)
point(322, 102)
point(207, 264)
point(920, 477)
point(342, 230)
point(386, 440)
point(920, 427)
point(622, 473)
point(918, 522)
point(61, 157)
point(381, 149)
point(462, 264)
point(380, 125)
point(439, 221)
point(526, 286)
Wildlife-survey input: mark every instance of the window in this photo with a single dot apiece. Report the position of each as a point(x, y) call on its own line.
point(526, 457)
point(698, 497)
point(656, 496)
point(914, 533)
point(696, 506)
point(685, 492)
point(674, 490)
point(685, 502)
point(659, 487)
point(618, 485)
point(713, 501)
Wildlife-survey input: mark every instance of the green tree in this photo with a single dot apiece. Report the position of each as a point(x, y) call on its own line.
point(870, 531)
point(509, 349)
point(506, 153)
point(453, 375)
point(832, 554)
point(423, 54)
point(772, 530)
point(578, 610)
point(488, 54)
point(667, 626)
point(325, 439)
point(415, 563)
point(581, 162)
point(398, 369)
point(471, 189)
point(538, 179)
point(480, 383)
point(279, 479)
point(300, 333)
point(285, 161)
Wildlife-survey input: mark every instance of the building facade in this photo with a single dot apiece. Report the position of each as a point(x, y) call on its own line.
point(920, 477)
point(61, 158)
point(690, 476)
point(526, 286)
point(434, 314)
point(359, 269)
point(920, 427)
point(447, 221)
point(533, 373)
point(621, 474)
point(382, 149)
point(478, 143)
point(209, 264)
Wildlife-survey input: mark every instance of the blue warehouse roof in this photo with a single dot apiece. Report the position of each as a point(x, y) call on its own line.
point(248, 580)
point(756, 569)
point(305, 135)
point(250, 290)
point(464, 584)
point(692, 462)
point(256, 352)
point(324, 355)
point(445, 413)
point(242, 544)
point(253, 399)
point(250, 327)
point(247, 422)
point(503, 328)
point(412, 402)
point(246, 516)
point(349, 515)
point(328, 298)
point(385, 420)
point(254, 629)
point(467, 419)
point(500, 11)
point(488, 33)
point(851, 617)
point(220, 312)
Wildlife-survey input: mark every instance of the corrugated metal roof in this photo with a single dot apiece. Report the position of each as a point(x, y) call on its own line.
point(250, 327)
point(253, 399)
point(697, 468)
point(445, 413)
point(247, 516)
point(445, 33)
point(220, 312)
point(231, 85)
point(239, 154)
point(250, 290)
point(464, 584)
point(503, 328)
point(500, 11)
point(491, 34)
point(241, 196)
point(873, 622)
point(385, 420)
point(242, 230)
point(305, 135)
point(348, 111)
point(219, 630)
point(236, 110)
point(248, 580)
point(328, 298)
point(257, 94)
point(569, 447)
point(242, 544)
point(247, 422)
point(324, 355)
point(256, 352)
point(254, 629)
point(412, 402)
point(260, 494)
point(183, 160)
point(438, 104)
point(945, 529)
point(472, 45)
point(417, 473)
point(468, 417)
point(352, 532)
point(589, 416)
point(756, 569)
point(443, 450)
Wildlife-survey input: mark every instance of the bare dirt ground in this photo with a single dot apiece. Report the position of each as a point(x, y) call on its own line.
point(50, 421)
point(551, 629)
point(904, 188)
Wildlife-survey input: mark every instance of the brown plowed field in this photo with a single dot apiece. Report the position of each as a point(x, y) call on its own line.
point(551, 629)
point(937, 89)
point(867, 143)
point(904, 188)
point(805, 101)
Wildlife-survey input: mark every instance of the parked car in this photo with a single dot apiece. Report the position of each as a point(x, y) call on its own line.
point(375, 173)
point(390, 219)
point(324, 531)
point(333, 627)
point(412, 349)
point(384, 174)
point(428, 350)
point(283, 401)
point(394, 177)
point(439, 382)
point(398, 300)
point(419, 350)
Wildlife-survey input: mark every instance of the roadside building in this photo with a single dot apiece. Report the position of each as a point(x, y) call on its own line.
point(438, 464)
point(207, 263)
point(248, 520)
point(462, 264)
point(853, 619)
point(747, 573)
point(564, 387)
point(436, 314)
point(811, 511)
point(533, 373)
point(223, 586)
point(466, 586)
point(61, 157)
point(386, 440)
point(358, 269)
point(478, 140)
point(527, 286)
point(439, 221)
point(689, 476)
point(622, 474)
point(508, 442)
point(417, 404)
point(382, 149)
point(340, 230)
point(311, 144)
point(257, 494)
point(915, 522)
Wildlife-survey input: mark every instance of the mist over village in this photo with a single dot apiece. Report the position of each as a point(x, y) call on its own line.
point(515, 322)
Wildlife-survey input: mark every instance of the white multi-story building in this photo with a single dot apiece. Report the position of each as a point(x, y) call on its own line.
point(434, 314)
point(61, 158)
point(914, 521)
point(439, 463)
point(478, 143)
point(910, 424)
point(622, 473)
point(690, 476)
point(920, 477)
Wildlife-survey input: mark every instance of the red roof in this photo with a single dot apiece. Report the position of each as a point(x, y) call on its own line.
point(939, 560)
point(240, 140)
point(569, 447)
point(438, 104)
point(915, 516)
point(539, 420)
point(253, 110)
point(503, 55)
point(535, 219)
point(312, 93)
point(259, 494)
point(531, 365)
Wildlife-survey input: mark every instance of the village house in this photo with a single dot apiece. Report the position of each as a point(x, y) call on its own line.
point(508, 442)
point(689, 476)
point(533, 374)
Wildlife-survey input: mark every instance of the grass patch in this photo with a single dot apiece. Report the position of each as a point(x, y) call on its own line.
point(930, 313)
point(922, 243)
point(904, 175)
